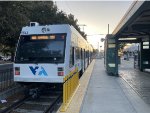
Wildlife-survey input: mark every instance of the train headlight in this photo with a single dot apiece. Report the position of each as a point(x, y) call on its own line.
point(17, 70)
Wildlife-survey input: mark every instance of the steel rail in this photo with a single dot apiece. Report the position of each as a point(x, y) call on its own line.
point(50, 109)
point(15, 105)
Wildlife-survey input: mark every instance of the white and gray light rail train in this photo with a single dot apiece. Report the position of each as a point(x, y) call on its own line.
point(45, 54)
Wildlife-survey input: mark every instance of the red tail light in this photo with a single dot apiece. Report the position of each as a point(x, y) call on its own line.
point(17, 70)
point(60, 71)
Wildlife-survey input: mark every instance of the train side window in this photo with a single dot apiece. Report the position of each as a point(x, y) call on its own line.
point(77, 53)
point(86, 54)
point(71, 57)
point(81, 54)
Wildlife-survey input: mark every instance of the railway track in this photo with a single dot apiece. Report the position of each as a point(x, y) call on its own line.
point(46, 103)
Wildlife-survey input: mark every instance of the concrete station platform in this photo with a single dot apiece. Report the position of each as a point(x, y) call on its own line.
point(139, 81)
point(100, 93)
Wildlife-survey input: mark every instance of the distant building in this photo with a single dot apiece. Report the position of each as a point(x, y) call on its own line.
point(131, 48)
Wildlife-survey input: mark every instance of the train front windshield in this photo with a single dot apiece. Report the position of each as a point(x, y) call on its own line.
point(41, 49)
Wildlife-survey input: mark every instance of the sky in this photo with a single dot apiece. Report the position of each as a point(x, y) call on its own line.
point(96, 15)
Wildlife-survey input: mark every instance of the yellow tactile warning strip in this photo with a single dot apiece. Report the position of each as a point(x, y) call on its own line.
point(77, 99)
point(71, 83)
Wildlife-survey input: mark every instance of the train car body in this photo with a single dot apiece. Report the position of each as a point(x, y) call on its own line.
point(45, 54)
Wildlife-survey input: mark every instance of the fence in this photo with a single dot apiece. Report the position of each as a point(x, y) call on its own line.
point(71, 82)
point(6, 76)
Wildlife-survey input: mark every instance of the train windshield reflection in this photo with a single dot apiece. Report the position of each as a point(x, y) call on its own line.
point(41, 49)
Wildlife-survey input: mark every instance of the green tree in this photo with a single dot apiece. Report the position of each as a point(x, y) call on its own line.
point(12, 18)
point(14, 15)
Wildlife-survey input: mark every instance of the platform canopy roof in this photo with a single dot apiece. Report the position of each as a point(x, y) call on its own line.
point(135, 23)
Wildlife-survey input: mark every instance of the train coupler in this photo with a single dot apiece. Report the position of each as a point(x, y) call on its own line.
point(35, 93)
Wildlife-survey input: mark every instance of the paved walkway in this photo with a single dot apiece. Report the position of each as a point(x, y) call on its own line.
point(109, 94)
point(139, 81)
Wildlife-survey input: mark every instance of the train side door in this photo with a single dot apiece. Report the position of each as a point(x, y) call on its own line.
point(82, 59)
point(71, 62)
point(88, 57)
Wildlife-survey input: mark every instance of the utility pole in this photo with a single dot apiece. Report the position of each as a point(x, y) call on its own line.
point(108, 29)
point(83, 25)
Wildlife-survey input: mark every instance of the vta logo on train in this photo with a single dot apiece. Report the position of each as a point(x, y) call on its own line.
point(38, 70)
